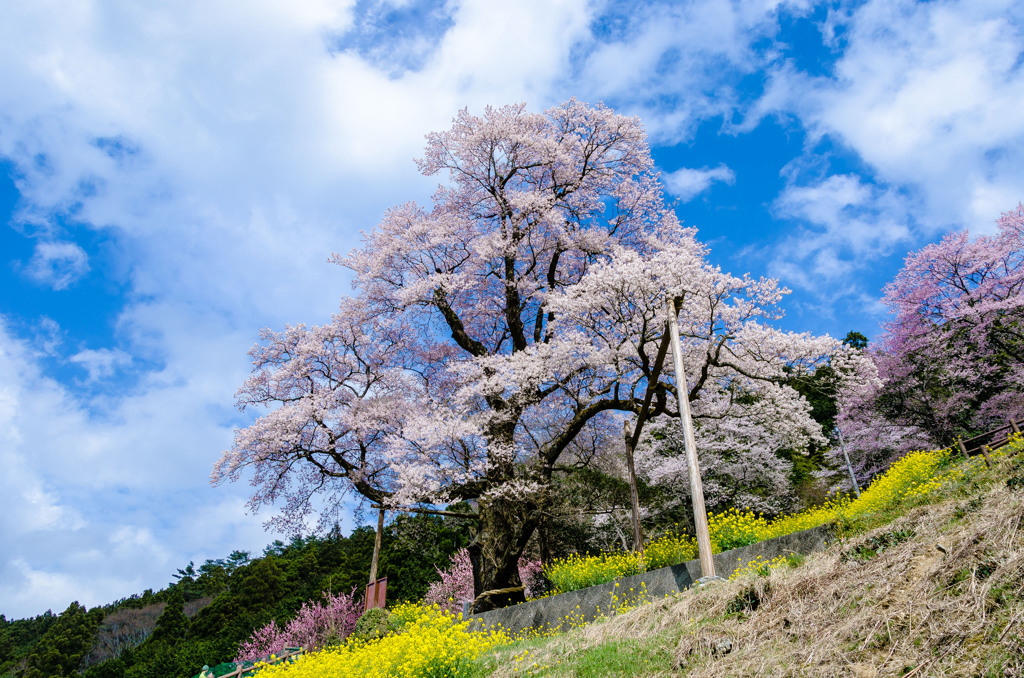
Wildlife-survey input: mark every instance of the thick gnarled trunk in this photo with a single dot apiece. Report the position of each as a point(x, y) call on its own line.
point(505, 529)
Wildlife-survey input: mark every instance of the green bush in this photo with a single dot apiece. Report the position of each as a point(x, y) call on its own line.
point(375, 623)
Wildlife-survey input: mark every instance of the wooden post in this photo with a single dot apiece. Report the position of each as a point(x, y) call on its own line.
point(1014, 426)
point(700, 514)
point(960, 444)
point(985, 449)
point(849, 466)
point(638, 536)
point(376, 545)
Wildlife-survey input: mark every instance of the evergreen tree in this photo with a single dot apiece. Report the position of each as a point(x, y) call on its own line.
point(62, 647)
point(172, 625)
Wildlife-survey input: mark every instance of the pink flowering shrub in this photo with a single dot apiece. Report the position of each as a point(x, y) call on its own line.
point(531, 573)
point(456, 584)
point(316, 624)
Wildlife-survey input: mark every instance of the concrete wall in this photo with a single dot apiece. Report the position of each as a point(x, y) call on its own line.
point(587, 604)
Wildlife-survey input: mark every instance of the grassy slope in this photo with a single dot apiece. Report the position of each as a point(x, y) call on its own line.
point(930, 588)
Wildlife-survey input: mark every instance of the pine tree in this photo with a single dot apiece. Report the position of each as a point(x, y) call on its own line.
point(172, 625)
point(61, 649)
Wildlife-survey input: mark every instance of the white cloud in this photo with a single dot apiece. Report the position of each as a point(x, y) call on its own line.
point(57, 264)
point(104, 499)
point(677, 64)
point(846, 225)
point(225, 152)
point(101, 363)
point(687, 183)
point(928, 95)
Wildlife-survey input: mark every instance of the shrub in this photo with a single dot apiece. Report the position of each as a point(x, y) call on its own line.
point(373, 624)
point(315, 625)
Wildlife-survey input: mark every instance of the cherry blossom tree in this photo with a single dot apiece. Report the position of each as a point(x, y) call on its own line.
point(455, 585)
point(495, 339)
point(952, 359)
point(315, 625)
point(872, 440)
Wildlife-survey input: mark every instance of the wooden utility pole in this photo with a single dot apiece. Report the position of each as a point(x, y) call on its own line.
point(376, 545)
point(849, 466)
point(638, 536)
point(700, 514)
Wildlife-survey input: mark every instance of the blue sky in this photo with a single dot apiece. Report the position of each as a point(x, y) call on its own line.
point(174, 177)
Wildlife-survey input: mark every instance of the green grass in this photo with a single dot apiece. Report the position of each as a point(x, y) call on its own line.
point(623, 657)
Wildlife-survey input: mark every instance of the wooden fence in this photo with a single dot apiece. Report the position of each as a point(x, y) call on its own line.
point(984, 443)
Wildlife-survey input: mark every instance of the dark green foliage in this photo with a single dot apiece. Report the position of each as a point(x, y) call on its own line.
point(855, 340)
point(820, 389)
point(61, 649)
point(373, 624)
point(113, 668)
point(227, 599)
point(19, 637)
point(172, 626)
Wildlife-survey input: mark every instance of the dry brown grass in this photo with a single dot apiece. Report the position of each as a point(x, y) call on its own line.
point(944, 597)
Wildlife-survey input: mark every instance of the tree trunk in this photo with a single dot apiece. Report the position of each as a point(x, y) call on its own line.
point(505, 529)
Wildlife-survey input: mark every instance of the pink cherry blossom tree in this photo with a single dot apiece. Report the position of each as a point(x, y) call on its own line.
point(455, 585)
point(952, 359)
point(316, 624)
point(495, 339)
point(872, 440)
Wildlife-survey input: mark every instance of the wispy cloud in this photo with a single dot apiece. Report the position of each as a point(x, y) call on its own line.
point(101, 363)
point(844, 225)
point(687, 183)
point(927, 95)
point(57, 264)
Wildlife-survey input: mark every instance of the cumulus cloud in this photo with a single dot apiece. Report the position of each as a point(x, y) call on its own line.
point(102, 502)
point(57, 264)
point(927, 95)
point(686, 183)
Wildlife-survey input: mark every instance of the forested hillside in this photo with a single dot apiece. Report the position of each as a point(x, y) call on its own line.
point(202, 616)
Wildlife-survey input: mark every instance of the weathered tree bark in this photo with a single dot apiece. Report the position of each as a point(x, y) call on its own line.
point(505, 529)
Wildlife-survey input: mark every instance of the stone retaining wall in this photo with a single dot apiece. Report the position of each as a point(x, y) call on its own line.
point(587, 604)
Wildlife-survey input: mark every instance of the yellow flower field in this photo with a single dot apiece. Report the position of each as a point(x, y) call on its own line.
point(915, 475)
point(431, 644)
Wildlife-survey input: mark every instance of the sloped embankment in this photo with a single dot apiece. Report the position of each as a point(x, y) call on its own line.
point(939, 591)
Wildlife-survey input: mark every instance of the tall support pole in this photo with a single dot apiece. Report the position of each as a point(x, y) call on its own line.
point(376, 545)
point(638, 535)
point(700, 514)
point(849, 466)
